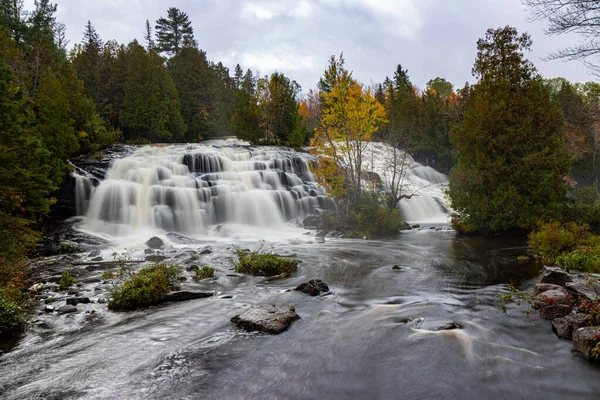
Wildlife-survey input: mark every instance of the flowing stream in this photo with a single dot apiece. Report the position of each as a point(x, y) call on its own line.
point(376, 336)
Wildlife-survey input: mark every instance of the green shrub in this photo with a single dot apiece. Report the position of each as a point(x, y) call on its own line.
point(552, 239)
point(15, 301)
point(108, 275)
point(13, 311)
point(369, 218)
point(584, 206)
point(583, 259)
point(257, 263)
point(146, 287)
point(66, 280)
point(203, 273)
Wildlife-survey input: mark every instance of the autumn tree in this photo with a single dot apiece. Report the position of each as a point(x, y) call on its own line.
point(512, 158)
point(351, 115)
point(174, 32)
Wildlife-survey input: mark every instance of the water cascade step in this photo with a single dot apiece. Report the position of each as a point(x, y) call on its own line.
point(186, 188)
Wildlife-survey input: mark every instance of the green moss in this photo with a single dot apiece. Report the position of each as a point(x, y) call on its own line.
point(203, 273)
point(146, 287)
point(108, 275)
point(257, 263)
point(66, 280)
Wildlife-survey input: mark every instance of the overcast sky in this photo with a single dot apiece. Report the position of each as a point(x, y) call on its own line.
point(430, 38)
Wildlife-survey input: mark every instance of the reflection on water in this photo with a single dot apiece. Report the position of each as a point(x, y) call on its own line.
point(375, 338)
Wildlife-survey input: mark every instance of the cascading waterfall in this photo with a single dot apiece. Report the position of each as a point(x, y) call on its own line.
point(187, 188)
point(428, 204)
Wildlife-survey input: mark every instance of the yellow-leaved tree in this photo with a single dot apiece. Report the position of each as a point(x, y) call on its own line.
point(350, 115)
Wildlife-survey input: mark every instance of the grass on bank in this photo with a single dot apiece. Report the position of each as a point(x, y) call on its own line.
point(259, 263)
point(145, 287)
point(203, 273)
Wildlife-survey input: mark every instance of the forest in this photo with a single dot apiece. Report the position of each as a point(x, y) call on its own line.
point(57, 102)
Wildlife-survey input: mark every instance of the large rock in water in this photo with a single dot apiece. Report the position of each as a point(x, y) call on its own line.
point(553, 303)
point(585, 339)
point(565, 326)
point(314, 287)
point(181, 239)
point(184, 295)
point(555, 276)
point(155, 243)
point(265, 318)
point(585, 288)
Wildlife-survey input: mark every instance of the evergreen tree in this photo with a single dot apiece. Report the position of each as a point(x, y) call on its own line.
point(512, 159)
point(174, 32)
point(151, 104)
point(12, 18)
point(42, 51)
point(54, 124)
point(87, 61)
point(148, 37)
point(280, 108)
point(193, 78)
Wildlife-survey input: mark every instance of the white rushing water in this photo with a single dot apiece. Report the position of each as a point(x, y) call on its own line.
point(220, 188)
point(194, 188)
point(426, 185)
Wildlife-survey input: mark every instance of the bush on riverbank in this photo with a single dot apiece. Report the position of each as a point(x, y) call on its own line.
point(570, 245)
point(368, 218)
point(146, 287)
point(258, 263)
point(14, 300)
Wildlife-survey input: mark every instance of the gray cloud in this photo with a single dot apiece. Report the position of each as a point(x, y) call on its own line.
point(428, 37)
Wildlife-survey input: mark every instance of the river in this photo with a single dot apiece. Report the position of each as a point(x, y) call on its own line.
point(374, 337)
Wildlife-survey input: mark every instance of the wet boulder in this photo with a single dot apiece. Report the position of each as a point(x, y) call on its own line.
point(314, 287)
point(555, 276)
point(266, 318)
point(565, 326)
point(72, 301)
point(584, 288)
point(184, 295)
point(206, 250)
point(155, 258)
point(68, 309)
point(181, 239)
point(312, 222)
point(543, 287)
point(585, 339)
point(553, 304)
point(155, 243)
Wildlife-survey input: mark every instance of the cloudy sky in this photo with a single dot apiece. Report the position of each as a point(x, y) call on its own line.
point(430, 38)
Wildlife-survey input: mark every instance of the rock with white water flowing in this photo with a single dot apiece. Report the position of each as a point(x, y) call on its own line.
point(187, 188)
point(185, 295)
point(314, 287)
point(266, 318)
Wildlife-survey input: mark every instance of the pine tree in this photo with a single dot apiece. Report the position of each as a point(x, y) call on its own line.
point(512, 157)
point(148, 37)
point(174, 32)
point(193, 78)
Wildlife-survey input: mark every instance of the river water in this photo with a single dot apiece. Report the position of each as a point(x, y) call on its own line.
point(375, 337)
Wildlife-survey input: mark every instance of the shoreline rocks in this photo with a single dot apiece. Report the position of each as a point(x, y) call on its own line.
point(558, 297)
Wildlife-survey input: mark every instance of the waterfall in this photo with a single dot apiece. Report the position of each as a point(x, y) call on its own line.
point(83, 189)
point(428, 204)
point(187, 188)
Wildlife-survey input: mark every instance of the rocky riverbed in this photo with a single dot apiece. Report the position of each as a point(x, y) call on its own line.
point(571, 302)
